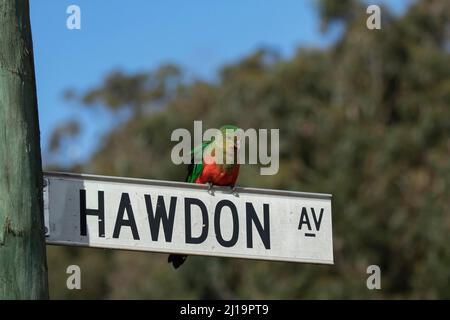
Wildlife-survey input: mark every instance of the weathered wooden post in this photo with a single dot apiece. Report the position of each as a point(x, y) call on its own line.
point(23, 267)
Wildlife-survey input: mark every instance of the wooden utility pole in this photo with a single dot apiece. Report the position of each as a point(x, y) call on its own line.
point(23, 267)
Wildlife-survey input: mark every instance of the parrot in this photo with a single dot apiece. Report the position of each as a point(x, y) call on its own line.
point(212, 173)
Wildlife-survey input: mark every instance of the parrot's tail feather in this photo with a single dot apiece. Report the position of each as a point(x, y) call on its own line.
point(177, 260)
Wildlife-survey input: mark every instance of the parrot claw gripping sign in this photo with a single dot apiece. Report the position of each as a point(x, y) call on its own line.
point(183, 218)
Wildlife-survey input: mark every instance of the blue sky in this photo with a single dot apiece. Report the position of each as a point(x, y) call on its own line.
point(134, 35)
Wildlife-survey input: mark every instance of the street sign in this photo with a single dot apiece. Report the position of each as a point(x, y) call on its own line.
point(174, 217)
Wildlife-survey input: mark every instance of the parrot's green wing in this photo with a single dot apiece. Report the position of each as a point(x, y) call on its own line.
point(195, 169)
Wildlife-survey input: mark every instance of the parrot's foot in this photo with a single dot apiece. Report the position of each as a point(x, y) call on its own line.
point(210, 188)
point(234, 192)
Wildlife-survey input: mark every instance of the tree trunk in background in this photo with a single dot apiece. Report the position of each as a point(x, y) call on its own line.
point(23, 267)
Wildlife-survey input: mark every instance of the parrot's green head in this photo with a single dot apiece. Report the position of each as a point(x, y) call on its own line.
point(226, 142)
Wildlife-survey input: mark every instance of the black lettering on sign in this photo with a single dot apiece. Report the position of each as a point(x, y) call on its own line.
point(125, 205)
point(217, 229)
point(188, 202)
point(264, 232)
point(305, 220)
point(317, 222)
point(155, 217)
point(100, 212)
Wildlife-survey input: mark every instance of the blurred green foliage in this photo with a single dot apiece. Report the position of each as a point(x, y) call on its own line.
point(367, 119)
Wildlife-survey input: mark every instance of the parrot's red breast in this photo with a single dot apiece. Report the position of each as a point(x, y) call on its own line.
point(218, 175)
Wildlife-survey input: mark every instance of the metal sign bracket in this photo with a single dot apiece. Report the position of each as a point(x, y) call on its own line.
point(46, 186)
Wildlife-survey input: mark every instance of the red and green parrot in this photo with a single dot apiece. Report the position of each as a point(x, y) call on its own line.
point(209, 171)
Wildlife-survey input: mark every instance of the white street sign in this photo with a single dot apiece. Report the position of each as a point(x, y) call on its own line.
point(173, 217)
